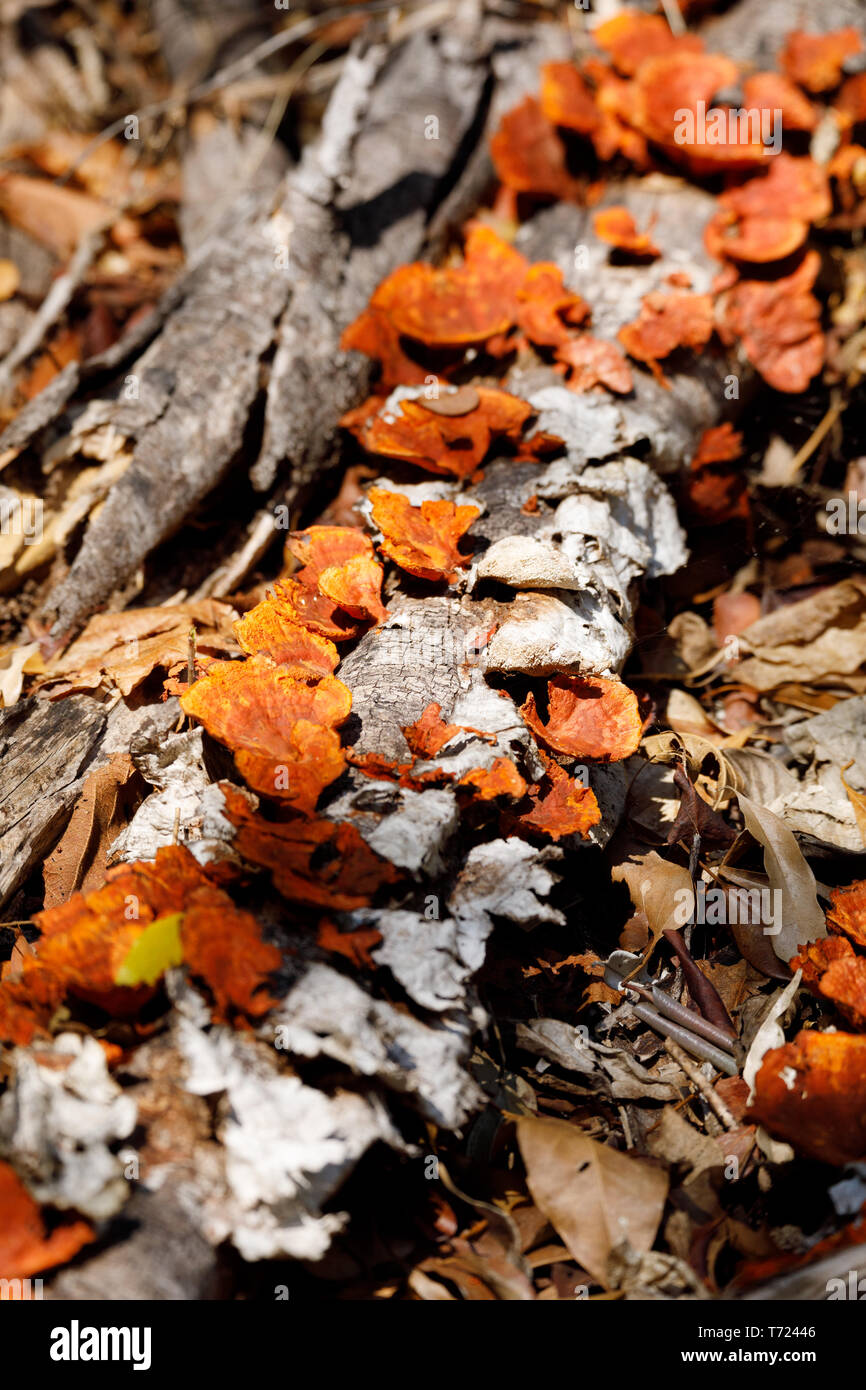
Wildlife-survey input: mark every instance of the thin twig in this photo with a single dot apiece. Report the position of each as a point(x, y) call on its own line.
point(674, 16)
point(626, 1127)
point(290, 81)
point(665, 1004)
point(816, 436)
point(722, 1061)
point(696, 1076)
point(229, 74)
point(190, 657)
point(53, 305)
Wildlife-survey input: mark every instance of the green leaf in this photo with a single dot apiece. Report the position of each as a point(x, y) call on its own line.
point(157, 949)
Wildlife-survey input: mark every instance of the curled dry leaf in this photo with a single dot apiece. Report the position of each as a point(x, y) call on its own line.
point(122, 649)
point(812, 1093)
point(701, 988)
point(697, 817)
point(588, 717)
point(659, 889)
point(106, 172)
point(792, 882)
point(422, 540)
point(818, 637)
point(280, 728)
point(78, 860)
point(595, 1197)
point(57, 216)
point(26, 1248)
point(618, 228)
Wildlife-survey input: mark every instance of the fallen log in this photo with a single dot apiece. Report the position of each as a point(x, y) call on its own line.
point(246, 362)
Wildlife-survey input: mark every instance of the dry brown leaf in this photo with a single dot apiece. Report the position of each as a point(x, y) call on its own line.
point(809, 641)
point(662, 891)
point(124, 648)
point(79, 860)
point(58, 216)
point(791, 881)
point(15, 663)
point(594, 1196)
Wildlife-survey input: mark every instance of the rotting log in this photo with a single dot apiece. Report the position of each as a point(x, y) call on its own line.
point(356, 209)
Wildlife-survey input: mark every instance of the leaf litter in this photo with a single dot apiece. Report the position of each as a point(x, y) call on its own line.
point(624, 814)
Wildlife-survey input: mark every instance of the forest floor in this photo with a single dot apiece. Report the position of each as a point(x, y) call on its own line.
point(433, 651)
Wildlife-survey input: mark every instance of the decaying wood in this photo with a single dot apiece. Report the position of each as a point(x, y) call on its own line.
point(243, 361)
point(45, 751)
point(356, 208)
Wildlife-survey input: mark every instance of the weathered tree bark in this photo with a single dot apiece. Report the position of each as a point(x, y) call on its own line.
point(243, 366)
point(290, 266)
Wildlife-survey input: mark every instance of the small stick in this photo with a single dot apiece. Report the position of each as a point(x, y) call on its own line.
point(674, 17)
point(176, 830)
point(626, 1127)
point(190, 667)
point(669, 1006)
point(696, 1076)
point(230, 74)
point(53, 305)
point(190, 657)
point(722, 1061)
point(815, 438)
